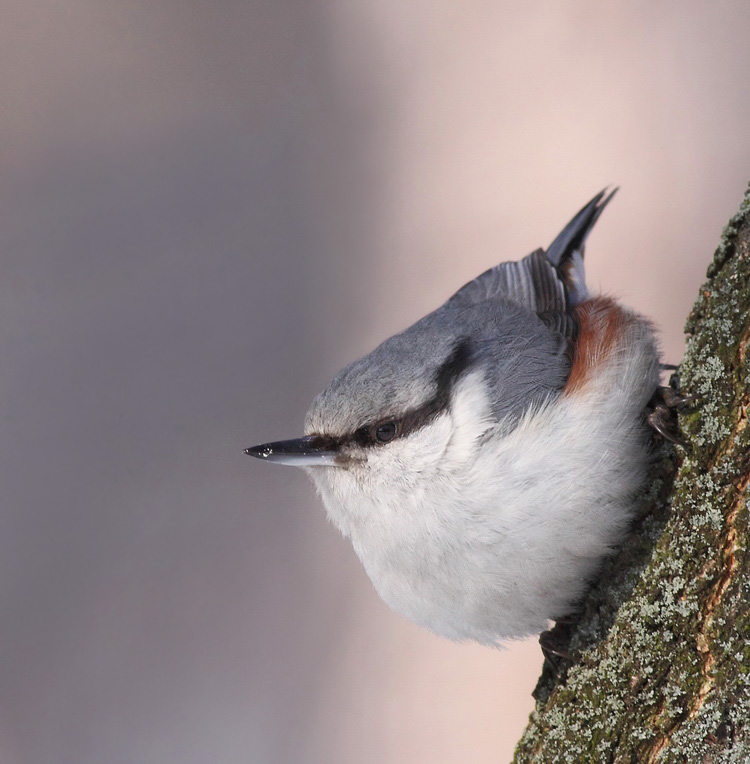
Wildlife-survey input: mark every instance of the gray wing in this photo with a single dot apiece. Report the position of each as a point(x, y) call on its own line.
point(548, 283)
point(533, 282)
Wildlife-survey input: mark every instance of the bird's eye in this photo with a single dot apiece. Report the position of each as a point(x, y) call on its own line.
point(386, 432)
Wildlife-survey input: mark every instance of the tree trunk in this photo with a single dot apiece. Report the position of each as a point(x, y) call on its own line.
point(662, 645)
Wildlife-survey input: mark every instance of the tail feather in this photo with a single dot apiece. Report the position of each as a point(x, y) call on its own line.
point(566, 251)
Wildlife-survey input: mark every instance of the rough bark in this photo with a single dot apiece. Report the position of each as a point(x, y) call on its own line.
point(662, 645)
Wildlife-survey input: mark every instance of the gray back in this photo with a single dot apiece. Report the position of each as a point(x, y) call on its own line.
point(514, 323)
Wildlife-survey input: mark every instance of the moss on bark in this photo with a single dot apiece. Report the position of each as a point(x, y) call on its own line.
point(663, 639)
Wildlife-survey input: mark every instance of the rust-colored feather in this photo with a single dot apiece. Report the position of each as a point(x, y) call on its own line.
point(601, 322)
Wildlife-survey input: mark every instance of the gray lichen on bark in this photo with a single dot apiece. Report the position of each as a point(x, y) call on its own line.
point(663, 639)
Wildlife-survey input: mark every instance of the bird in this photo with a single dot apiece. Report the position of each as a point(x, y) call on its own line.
point(486, 460)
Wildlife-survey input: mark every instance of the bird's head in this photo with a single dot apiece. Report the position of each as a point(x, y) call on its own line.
point(391, 426)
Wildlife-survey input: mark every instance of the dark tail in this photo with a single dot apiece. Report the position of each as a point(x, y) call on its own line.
point(566, 251)
point(572, 238)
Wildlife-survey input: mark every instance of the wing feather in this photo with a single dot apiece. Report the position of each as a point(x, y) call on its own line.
point(548, 283)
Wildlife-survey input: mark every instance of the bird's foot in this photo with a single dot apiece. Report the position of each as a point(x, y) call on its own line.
point(660, 413)
point(554, 645)
point(671, 398)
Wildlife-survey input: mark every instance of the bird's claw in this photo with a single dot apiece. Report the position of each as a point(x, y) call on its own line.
point(552, 650)
point(663, 422)
point(671, 398)
point(660, 413)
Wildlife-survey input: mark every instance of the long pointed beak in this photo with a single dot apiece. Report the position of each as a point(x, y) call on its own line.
point(310, 451)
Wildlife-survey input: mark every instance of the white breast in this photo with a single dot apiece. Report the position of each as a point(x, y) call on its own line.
point(493, 530)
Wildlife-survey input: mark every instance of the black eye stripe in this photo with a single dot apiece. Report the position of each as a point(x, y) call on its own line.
point(414, 419)
point(445, 378)
point(383, 432)
point(362, 437)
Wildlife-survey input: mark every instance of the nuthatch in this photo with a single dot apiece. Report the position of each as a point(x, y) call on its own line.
point(486, 459)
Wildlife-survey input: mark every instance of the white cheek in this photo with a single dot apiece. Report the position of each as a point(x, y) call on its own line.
point(449, 440)
point(471, 417)
point(413, 456)
point(400, 473)
point(341, 492)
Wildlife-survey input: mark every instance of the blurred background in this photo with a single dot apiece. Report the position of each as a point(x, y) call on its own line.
point(207, 209)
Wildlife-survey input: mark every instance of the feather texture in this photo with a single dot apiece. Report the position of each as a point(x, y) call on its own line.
point(516, 445)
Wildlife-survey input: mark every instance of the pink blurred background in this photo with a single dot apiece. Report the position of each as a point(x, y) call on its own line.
point(207, 209)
